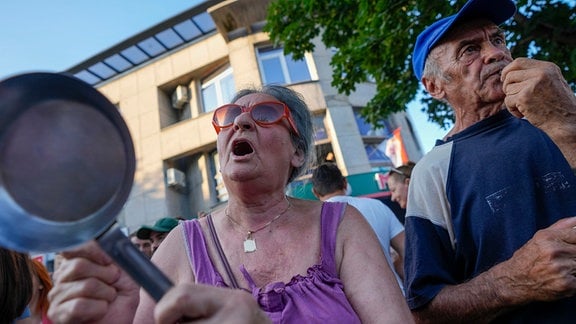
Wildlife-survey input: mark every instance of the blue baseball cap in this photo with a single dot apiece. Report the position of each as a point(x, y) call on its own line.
point(497, 11)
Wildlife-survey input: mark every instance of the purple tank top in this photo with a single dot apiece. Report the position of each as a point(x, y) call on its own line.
point(317, 297)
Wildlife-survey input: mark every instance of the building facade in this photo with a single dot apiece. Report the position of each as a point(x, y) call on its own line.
point(167, 80)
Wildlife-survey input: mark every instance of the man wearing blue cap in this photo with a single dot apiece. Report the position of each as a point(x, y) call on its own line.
point(489, 223)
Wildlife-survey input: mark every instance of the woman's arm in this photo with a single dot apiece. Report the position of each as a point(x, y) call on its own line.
point(172, 259)
point(369, 283)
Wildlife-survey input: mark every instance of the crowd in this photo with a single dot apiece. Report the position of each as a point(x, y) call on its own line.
point(489, 230)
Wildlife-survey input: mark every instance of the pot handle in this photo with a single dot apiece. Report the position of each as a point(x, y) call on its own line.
point(134, 262)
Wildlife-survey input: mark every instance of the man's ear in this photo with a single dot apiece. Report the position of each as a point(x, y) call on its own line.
point(434, 88)
point(344, 183)
point(315, 193)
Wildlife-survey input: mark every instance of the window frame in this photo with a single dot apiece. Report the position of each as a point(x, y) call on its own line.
point(216, 79)
point(264, 52)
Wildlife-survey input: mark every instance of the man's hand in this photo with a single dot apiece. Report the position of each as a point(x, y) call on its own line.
point(544, 269)
point(537, 91)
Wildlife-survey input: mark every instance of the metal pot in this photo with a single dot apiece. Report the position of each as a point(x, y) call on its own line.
point(66, 169)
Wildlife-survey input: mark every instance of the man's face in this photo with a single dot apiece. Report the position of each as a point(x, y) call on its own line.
point(156, 238)
point(145, 246)
point(471, 58)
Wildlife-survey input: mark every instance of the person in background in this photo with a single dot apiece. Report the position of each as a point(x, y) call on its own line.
point(157, 232)
point(145, 246)
point(328, 184)
point(39, 303)
point(15, 286)
point(398, 181)
point(303, 261)
point(489, 223)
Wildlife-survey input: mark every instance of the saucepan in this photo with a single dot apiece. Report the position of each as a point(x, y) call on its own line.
point(66, 170)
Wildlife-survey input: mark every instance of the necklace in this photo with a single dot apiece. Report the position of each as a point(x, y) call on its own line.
point(250, 241)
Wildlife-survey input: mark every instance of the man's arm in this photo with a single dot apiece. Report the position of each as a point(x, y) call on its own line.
point(543, 269)
point(537, 91)
point(397, 243)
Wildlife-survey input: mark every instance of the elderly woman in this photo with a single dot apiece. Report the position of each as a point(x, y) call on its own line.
point(302, 261)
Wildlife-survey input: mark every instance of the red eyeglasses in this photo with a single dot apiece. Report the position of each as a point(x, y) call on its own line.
point(263, 113)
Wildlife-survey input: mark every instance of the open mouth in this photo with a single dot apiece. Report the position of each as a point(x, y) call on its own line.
point(241, 148)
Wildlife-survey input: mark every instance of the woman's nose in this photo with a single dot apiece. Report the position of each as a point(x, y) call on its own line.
point(243, 121)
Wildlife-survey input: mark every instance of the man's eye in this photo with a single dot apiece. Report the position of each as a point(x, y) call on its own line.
point(469, 49)
point(499, 41)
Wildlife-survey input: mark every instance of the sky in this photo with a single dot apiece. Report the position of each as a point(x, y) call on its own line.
point(52, 36)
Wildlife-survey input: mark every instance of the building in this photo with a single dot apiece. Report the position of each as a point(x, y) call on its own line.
point(166, 81)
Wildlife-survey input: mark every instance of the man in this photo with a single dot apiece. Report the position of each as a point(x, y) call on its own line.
point(328, 184)
point(145, 246)
point(157, 232)
point(485, 239)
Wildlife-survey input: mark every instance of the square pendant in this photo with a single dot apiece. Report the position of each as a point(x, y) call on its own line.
point(249, 245)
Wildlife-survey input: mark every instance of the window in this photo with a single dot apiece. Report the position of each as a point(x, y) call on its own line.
point(377, 154)
point(277, 68)
point(366, 129)
point(221, 191)
point(218, 89)
point(320, 132)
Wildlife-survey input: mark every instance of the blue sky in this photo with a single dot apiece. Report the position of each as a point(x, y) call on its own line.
point(42, 35)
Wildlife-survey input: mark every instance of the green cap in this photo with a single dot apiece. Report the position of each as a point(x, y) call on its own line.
point(163, 225)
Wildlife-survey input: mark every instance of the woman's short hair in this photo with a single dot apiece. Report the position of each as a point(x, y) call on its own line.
point(300, 114)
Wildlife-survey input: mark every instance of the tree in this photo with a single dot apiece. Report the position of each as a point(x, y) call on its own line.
point(374, 41)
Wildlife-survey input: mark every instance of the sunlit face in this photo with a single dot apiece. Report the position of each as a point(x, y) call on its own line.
point(249, 151)
point(399, 190)
point(471, 59)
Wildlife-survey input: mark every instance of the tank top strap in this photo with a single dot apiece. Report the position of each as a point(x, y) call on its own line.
point(331, 216)
point(248, 277)
point(198, 256)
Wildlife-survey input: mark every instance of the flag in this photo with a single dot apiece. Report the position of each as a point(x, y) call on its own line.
point(395, 149)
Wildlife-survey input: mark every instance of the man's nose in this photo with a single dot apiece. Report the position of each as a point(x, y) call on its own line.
point(494, 53)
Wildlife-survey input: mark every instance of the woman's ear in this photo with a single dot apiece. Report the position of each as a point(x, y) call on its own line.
point(298, 158)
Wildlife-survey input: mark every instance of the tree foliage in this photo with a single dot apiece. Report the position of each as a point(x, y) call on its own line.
point(374, 41)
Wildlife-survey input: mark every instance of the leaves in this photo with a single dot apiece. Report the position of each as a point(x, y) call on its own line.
point(373, 40)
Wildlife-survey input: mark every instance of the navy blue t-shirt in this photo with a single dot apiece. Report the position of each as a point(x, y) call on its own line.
point(477, 198)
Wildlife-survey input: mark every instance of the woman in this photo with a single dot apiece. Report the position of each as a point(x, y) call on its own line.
point(42, 285)
point(398, 181)
point(15, 285)
point(303, 261)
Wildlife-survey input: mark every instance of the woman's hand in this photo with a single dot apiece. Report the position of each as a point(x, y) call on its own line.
point(194, 303)
point(89, 287)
